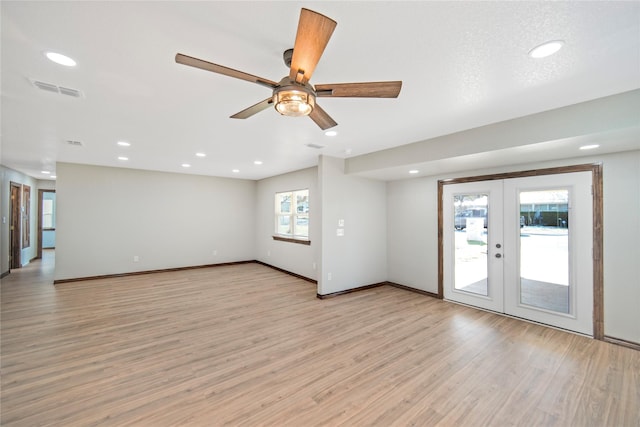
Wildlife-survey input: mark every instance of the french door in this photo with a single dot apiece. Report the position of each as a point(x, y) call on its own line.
point(522, 246)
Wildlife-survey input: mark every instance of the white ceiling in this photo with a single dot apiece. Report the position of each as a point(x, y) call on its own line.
point(463, 65)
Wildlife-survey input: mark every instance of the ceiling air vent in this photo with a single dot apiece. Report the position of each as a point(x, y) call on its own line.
point(70, 92)
point(74, 143)
point(56, 89)
point(45, 86)
point(316, 146)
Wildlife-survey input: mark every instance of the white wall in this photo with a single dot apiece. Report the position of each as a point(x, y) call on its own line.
point(359, 257)
point(7, 176)
point(293, 257)
point(413, 235)
point(621, 177)
point(106, 216)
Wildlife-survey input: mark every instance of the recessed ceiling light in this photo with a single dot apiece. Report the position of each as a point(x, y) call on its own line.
point(414, 171)
point(546, 49)
point(236, 171)
point(186, 165)
point(589, 147)
point(257, 162)
point(123, 143)
point(331, 133)
point(45, 172)
point(201, 155)
point(53, 176)
point(123, 158)
point(61, 59)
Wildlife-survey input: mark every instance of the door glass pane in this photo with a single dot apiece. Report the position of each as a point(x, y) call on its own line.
point(544, 249)
point(471, 243)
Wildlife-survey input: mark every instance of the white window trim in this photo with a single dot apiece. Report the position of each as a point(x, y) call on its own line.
point(293, 216)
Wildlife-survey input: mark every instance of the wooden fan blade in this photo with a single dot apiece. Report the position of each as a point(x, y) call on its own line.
point(254, 109)
point(360, 90)
point(314, 32)
point(220, 69)
point(321, 118)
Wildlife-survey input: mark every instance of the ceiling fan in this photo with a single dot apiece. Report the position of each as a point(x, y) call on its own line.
point(293, 95)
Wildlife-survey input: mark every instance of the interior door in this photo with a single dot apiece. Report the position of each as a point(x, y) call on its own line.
point(532, 257)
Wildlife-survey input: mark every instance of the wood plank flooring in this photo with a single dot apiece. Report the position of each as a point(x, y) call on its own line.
point(248, 345)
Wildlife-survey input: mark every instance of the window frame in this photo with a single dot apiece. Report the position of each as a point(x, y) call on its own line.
point(293, 216)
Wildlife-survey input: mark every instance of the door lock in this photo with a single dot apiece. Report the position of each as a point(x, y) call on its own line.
point(498, 255)
point(498, 245)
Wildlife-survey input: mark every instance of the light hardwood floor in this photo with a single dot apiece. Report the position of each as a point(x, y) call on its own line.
point(248, 345)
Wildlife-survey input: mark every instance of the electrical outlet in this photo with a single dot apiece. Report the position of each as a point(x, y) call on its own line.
point(314, 265)
point(136, 258)
point(328, 276)
point(268, 253)
point(215, 252)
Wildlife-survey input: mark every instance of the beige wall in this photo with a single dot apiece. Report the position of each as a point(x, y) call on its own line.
point(359, 257)
point(108, 216)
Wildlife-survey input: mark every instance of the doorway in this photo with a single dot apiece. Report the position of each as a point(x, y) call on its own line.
point(46, 220)
point(15, 227)
point(522, 246)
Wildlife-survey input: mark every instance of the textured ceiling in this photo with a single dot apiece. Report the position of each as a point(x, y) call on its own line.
point(463, 65)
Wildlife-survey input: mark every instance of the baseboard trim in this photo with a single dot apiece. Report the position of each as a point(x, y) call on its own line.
point(287, 272)
point(5, 274)
point(349, 291)
point(138, 273)
point(624, 343)
point(375, 285)
point(418, 291)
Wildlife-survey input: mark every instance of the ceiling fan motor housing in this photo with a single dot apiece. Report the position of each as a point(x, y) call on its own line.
point(287, 55)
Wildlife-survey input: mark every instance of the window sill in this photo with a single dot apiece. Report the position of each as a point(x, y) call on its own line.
point(291, 240)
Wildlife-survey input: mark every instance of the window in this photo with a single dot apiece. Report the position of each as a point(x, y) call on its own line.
point(47, 213)
point(292, 215)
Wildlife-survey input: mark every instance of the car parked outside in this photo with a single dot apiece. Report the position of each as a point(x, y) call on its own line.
point(461, 218)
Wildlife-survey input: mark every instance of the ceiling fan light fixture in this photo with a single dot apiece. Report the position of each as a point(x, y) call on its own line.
point(294, 101)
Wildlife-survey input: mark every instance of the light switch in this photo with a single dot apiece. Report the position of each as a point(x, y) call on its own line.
point(341, 223)
point(340, 232)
